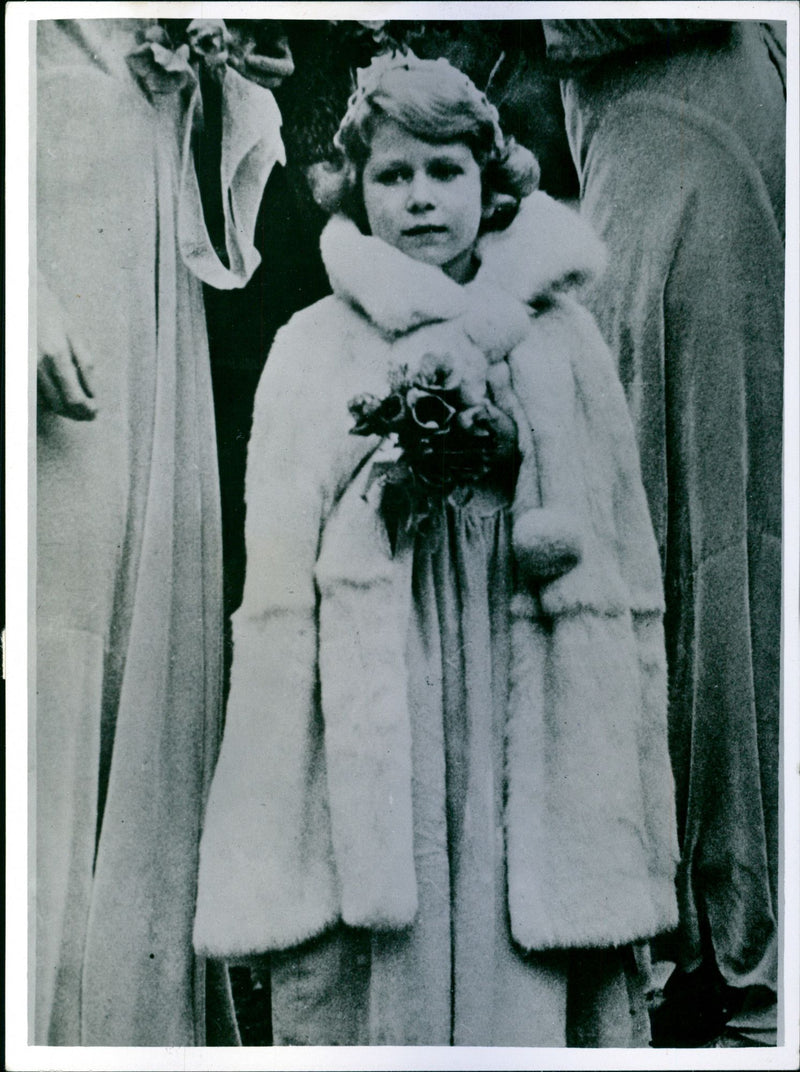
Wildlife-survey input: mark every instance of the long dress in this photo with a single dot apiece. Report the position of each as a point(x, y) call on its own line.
point(456, 977)
point(678, 132)
point(128, 571)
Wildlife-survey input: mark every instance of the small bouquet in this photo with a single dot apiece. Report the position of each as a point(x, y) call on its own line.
point(450, 433)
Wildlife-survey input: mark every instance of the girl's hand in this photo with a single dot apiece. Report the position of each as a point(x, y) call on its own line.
point(64, 364)
point(489, 420)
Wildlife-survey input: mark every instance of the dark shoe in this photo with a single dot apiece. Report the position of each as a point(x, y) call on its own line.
point(730, 1039)
point(694, 1010)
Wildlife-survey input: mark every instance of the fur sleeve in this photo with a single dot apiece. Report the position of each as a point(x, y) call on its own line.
point(580, 503)
point(284, 483)
point(266, 874)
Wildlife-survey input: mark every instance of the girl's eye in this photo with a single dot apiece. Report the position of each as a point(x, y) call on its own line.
point(444, 170)
point(391, 176)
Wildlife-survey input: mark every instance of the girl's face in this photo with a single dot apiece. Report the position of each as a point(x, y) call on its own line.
point(424, 198)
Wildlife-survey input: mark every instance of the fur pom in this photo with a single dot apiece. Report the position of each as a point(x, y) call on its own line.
point(546, 544)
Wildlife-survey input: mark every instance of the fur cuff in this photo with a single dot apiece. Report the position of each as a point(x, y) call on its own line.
point(589, 863)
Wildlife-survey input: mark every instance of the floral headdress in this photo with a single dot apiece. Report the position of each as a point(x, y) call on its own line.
point(164, 66)
point(369, 82)
point(169, 58)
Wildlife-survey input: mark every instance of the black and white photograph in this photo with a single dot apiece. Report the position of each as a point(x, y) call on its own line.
point(402, 508)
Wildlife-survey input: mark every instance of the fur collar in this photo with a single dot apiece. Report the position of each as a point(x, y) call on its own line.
point(547, 248)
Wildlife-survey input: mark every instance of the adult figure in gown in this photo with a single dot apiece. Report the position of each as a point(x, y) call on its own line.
point(128, 562)
point(677, 129)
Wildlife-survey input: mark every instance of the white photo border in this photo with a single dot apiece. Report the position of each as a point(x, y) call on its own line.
point(20, 564)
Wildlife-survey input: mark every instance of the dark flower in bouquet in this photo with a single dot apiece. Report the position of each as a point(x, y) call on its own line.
point(449, 432)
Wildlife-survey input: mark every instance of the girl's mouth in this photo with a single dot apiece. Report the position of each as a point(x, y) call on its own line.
point(424, 229)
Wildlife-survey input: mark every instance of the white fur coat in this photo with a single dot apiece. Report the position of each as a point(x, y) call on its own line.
point(309, 818)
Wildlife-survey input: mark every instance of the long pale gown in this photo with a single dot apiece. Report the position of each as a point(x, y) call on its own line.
point(456, 977)
point(128, 563)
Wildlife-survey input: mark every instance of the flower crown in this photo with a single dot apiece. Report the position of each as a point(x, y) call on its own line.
point(368, 82)
point(163, 66)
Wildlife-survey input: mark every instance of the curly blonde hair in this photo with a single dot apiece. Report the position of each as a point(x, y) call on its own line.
point(434, 101)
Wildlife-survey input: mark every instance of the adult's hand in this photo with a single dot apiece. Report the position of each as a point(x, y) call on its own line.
point(64, 364)
point(249, 58)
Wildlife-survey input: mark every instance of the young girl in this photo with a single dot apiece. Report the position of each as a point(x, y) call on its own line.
point(443, 805)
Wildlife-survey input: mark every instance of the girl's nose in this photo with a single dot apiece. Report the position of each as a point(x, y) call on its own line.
point(420, 194)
